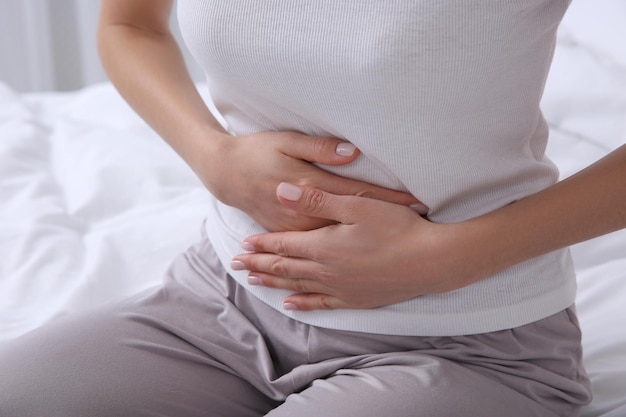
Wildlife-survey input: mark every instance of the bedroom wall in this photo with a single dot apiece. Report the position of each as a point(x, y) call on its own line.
point(49, 45)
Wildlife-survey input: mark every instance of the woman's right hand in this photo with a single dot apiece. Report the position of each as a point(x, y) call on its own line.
point(244, 171)
point(145, 64)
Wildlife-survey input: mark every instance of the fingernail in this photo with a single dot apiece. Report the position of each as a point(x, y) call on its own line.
point(290, 306)
point(254, 280)
point(238, 266)
point(420, 208)
point(247, 246)
point(288, 191)
point(345, 149)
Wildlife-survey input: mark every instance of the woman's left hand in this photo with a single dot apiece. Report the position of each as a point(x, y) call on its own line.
point(378, 253)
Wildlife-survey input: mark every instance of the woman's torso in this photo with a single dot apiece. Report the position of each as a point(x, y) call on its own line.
point(442, 99)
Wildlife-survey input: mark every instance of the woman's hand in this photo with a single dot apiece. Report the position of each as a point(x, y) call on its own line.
point(380, 253)
point(244, 172)
point(377, 253)
point(149, 71)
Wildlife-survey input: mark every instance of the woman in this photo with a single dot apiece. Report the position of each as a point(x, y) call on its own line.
point(413, 262)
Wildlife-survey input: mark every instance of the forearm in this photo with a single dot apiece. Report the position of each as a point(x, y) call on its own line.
point(331, 267)
point(147, 67)
point(587, 205)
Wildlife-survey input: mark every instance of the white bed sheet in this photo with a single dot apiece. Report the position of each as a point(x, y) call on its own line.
point(93, 205)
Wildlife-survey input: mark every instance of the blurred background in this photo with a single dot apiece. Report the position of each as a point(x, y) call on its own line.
point(49, 45)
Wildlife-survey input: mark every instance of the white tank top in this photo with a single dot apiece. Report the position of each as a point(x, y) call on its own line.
point(441, 97)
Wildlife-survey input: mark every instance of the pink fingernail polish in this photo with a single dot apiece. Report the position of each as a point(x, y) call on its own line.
point(247, 246)
point(289, 191)
point(238, 266)
point(419, 208)
point(254, 280)
point(345, 149)
point(290, 306)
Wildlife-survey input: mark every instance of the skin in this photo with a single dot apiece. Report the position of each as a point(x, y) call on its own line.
point(333, 267)
point(243, 171)
point(321, 246)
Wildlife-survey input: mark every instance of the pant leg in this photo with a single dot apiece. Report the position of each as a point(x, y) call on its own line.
point(533, 370)
point(203, 346)
point(432, 387)
point(167, 352)
point(114, 362)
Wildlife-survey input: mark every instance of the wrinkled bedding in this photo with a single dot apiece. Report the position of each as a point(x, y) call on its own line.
point(93, 205)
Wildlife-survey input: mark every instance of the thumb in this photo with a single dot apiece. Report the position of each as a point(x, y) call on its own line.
point(313, 202)
point(322, 150)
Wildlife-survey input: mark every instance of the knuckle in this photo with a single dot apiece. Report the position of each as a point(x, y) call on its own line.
point(299, 285)
point(305, 182)
point(320, 147)
point(277, 267)
point(313, 254)
point(280, 248)
point(324, 277)
point(313, 200)
point(323, 303)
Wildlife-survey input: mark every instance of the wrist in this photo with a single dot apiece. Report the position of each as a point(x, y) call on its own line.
point(205, 152)
point(201, 147)
point(470, 251)
point(501, 239)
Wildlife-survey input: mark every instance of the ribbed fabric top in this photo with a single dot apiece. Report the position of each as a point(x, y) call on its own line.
point(441, 97)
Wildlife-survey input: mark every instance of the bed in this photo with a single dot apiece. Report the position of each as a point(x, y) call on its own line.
point(93, 205)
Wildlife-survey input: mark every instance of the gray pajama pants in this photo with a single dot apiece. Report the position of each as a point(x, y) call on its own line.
point(200, 345)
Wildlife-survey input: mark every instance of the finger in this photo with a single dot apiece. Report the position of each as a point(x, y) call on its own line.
point(334, 151)
point(297, 285)
point(343, 186)
point(322, 150)
point(317, 203)
point(314, 301)
point(302, 245)
point(269, 264)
